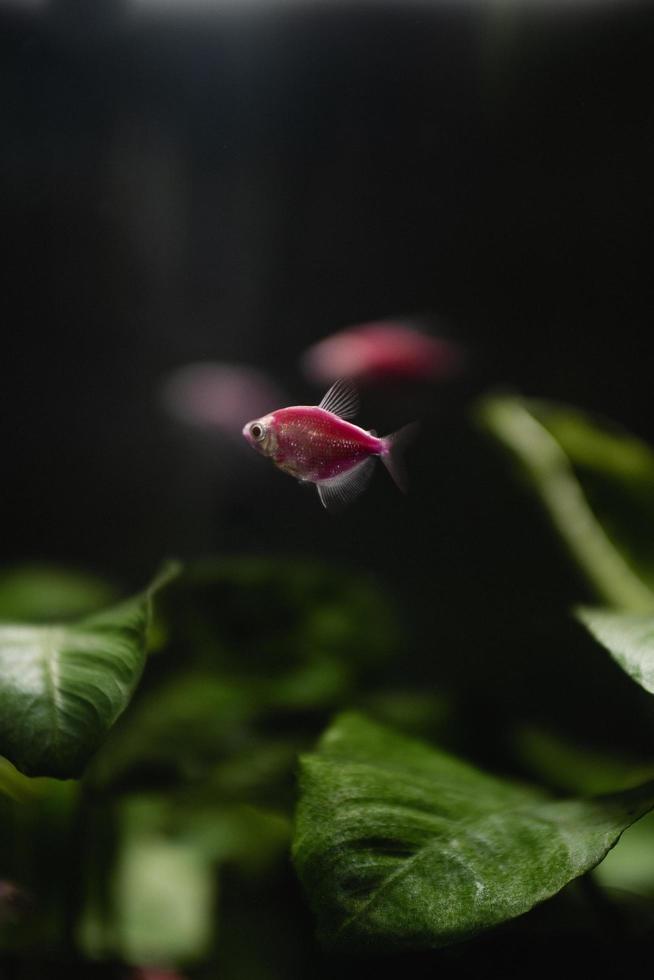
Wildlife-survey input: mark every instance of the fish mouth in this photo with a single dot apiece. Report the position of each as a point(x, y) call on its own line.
point(249, 435)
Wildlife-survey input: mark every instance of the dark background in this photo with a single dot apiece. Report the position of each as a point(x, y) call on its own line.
point(236, 184)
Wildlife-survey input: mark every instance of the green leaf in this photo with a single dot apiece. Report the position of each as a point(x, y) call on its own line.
point(596, 485)
point(629, 638)
point(62, 686)
point(401, 845)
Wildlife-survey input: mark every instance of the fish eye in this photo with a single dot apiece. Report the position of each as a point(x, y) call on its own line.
point(257, 431)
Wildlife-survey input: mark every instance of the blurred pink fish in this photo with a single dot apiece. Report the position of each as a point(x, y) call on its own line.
point(316, 444)
point(153, 973)
point(218, 395)
point(380, 351)
point(15, 903)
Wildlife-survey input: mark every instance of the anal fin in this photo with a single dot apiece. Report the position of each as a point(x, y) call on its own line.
point(338, 492)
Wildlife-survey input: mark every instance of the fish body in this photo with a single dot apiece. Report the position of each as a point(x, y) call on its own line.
point(315, 445)
point(319, 444)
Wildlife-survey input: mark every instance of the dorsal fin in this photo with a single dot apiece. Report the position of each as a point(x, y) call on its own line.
point(339, 491)
point(342, 399)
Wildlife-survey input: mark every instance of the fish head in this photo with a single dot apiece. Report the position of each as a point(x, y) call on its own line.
point(260, 433)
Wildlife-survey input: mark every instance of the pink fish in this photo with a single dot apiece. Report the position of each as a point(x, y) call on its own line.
point(380, 351)
point(317, 444)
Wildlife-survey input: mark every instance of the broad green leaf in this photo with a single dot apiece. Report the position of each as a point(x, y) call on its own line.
point(401, 845)
point(63, 685)
point(629, 638)
point(596, 484)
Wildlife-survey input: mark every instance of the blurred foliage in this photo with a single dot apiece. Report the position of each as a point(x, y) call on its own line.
point(261, 649)
point(296, 633)
point(161, 900)
point(173, 849)
point(595, 482)
point(195, 783)
point(412, 710)
point(572, 768)
point(630, 867)
point(18, 787)
point(175, 730)
point(48, 593)
point(38, 850)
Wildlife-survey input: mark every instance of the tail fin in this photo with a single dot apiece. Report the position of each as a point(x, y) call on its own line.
point(395, 444)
